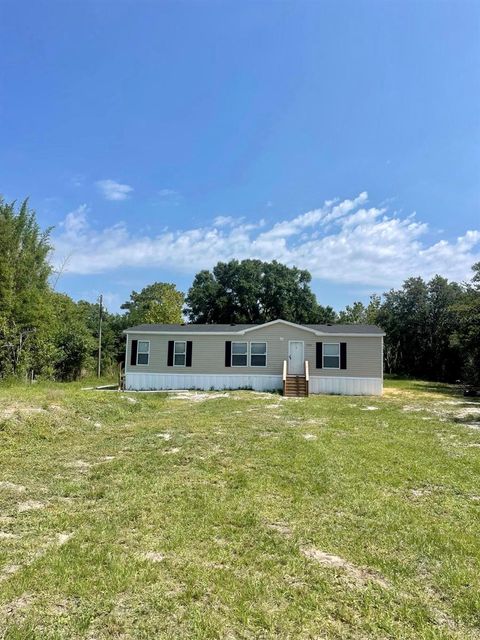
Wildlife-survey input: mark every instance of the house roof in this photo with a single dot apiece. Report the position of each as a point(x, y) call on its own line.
point(318, 329)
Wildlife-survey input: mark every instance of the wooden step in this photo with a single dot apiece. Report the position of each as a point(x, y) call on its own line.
point(295, 386)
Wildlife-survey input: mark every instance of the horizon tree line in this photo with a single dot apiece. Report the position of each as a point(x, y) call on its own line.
point(432, 328)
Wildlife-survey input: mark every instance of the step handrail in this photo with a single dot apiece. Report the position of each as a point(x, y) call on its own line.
point(307, 376)
point(284, 376)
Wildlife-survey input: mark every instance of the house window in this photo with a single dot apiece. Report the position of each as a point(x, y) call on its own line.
point(239, 354)
point(179, 354)
point(143, 351)
point(258, 354)
point(331, 356)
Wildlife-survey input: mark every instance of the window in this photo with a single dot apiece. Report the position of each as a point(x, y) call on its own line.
point(258, 354)
point(331, 356)
point(239, 354)
point(179, 354)
point(143, 352)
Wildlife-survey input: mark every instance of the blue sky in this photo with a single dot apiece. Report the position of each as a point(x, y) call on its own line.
point(160, 137)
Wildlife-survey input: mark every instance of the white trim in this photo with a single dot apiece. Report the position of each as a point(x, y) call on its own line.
point(323, 356)
point(126, 354)
point(184, 353)
point(280, 321)
point(381, 359)
point(143, 364)
point(288, 355)
point(232, 342)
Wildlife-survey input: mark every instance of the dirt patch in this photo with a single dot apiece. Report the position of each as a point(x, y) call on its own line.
point(8, 570)
point(5, 535)
point(63, 538)
point(22, 410)
point(153, 556)
point(30, 505)
point(193, 396)
point(467, 412)
point(164, 436)
point(471, 425)
point(15, 606)
point(280, 527)
point(369, 408)
point(11, 486)
point(358, 574)
point(309, 436)
point(81, 465)
point(172, 450)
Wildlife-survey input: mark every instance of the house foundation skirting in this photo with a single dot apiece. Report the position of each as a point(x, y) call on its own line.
point(341, 385)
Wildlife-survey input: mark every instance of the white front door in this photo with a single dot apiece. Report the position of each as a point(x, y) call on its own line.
point(295, 357)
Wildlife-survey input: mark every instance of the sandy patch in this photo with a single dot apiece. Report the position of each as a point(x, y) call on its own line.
point(8, 570)
point(107, 458)
point(9, 412)
point(165, 436)
point(30, 505)
point(194, 396)
point(471, 425)
point(63, 538)
point(11, 486)
point(153, 556)
point(418, 493)
point(81, 465)
point(309, 436)
point(5, 535)
point(16, 606)
point(359, 575)
point(369, 408)
point(467, 412)
point(172, 450)
point(280, 527)
point(129, 399)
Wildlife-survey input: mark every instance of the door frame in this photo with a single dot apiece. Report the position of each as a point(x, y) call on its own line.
point(302, 342)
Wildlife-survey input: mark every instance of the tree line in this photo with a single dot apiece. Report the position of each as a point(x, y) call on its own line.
point(432, 328)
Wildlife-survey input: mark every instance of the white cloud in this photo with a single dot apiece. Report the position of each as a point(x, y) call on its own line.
point(341, 242)
point(112, 190)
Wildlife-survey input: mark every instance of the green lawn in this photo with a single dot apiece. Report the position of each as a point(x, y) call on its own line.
point(239, 515)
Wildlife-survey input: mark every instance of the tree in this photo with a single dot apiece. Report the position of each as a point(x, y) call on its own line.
point(159, 302)
point(354, 314)
point(419, 321)
point(24, 273)
point(252, 291)
point(467, 335)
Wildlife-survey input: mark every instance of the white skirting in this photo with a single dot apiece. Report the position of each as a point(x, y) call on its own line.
point(204, 381)
point(346, 386)
point(318, 384)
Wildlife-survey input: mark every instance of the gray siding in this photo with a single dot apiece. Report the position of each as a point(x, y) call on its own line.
point(364, 354)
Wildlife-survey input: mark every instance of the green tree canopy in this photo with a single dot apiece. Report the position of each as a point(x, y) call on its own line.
point(24, 273)
point(159, 302)
point(251, 291)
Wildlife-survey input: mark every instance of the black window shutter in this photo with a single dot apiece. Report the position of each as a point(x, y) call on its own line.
point(170, 353)
point(133, 352)
point(319, 354)
point(228, 353)
point(343, 355)
point(189, 354)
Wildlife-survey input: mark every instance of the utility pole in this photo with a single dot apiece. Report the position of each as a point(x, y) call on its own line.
point(99, 336)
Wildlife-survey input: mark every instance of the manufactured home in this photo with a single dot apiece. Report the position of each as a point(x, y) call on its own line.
point(299, 359)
